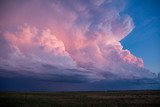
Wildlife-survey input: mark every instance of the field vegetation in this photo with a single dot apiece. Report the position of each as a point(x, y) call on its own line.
point(81, 99)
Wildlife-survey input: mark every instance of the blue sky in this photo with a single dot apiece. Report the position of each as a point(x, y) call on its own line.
point(144, 40)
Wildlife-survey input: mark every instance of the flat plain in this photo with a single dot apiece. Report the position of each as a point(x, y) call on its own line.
point(81, 99)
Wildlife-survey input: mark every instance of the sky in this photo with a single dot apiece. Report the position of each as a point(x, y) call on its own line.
point(143, 41)
point(79, 43)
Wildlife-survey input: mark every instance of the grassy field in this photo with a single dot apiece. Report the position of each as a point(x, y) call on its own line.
point(81, 99)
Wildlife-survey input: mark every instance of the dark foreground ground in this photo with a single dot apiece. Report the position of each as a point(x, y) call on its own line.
point(81, 99)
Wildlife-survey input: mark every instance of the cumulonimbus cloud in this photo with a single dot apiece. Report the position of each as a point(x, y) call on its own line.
point(79, 37)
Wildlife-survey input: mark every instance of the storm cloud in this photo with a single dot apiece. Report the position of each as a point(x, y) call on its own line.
point(68, 38)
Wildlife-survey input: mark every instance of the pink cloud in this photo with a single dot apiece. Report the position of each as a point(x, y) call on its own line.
point(78, 36)
point(31, 45)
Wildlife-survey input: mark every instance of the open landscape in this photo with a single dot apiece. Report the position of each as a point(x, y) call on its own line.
point(81, 99)
point(79, 53)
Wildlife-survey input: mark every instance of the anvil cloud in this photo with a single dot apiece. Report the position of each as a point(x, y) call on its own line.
point(69, 38)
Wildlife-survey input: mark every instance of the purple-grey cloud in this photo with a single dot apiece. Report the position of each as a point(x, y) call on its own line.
point(73, 38)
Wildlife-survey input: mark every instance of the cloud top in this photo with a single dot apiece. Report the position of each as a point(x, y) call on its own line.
point(74, 37)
